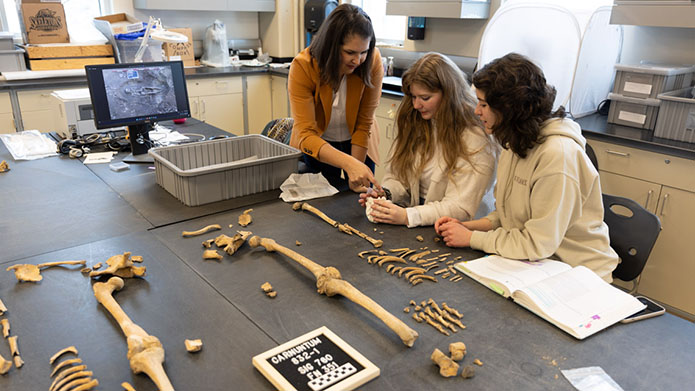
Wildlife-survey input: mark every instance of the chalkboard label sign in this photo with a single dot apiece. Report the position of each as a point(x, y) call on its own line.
point(316, 361)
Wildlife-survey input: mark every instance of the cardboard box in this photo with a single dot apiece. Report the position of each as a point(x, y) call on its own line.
point(181, 51)
point(45, 23)
point(120, 23)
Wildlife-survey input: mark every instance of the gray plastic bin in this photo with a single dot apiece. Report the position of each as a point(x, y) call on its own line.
point(677, 117)
point(635, 112)
point(649, 80)
point(209, 171)
point(12, 60)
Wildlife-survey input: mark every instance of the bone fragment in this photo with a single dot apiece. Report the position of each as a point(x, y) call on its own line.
point(468, 372)
point(122, 266)
point(452, 319)
point(389, 267)
point(5, 327)
point(14, 348)
point(211, 227)
point(456, 279)
point(446, 275)
point(4, 167)
point(266, 287)
point(297, 243)
point(478, 362)
point(395, 269)
point(127, 386)
point(208, 243)
point(415, 281)
point(69, 349)
point(447, 366)
point(86, 270)
point(418, 308)
point(145, 352)
point(434, 305)
point(417, 317)
point(65, 373)
point(26, 272)
point(136, 258)
point(430, 268)
point(440, 271)
point(309, 208)
point(4, 365)
point(452, 311)
point(64, 364)
point(96, 266)
point(409, 268)
point(3, 309)
point(413, 273)
point(417, 256)
point(232, 244)
point(67, 379)
point(437, 239)
point(419, 238)
point(245, 218)
point(457, 350)
point(412, 302)
point(18, 362)
point(329, 282)
point(81, 384)
point(271, 294)
point(193, 345)
point(362, 253)
point(375, 242)
point(212, 254)
point(406, 310)
point(372, 259)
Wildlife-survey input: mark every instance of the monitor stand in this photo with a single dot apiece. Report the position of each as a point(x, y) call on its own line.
point(139, 144)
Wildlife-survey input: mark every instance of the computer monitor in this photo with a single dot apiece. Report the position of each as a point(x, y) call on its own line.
point(137, 95)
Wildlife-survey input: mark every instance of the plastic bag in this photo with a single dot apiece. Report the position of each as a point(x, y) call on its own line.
point(215, 48)
point(29, 145)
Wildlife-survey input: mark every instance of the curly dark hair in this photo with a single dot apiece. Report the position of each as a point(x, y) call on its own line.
point(516, 91)
point(342, 23)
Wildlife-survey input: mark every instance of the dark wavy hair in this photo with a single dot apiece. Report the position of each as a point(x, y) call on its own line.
point(346, 20)
point(516, 91)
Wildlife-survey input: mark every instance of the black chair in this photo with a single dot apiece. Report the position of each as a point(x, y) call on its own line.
point(279, 129)
point(592, 155)
point(632, 236)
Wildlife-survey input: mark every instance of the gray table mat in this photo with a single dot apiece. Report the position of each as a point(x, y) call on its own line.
point(519, 350)
point(171, 303)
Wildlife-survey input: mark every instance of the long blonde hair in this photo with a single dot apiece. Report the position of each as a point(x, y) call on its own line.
point(416, 139)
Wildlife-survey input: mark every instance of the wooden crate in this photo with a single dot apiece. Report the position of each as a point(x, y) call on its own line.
point(53, 57)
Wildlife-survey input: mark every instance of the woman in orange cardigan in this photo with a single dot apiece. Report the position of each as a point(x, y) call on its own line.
point(334, 88)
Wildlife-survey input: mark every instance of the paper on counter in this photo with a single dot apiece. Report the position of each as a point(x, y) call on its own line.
point(98, 157)
point(591, 379)
point(300, 187)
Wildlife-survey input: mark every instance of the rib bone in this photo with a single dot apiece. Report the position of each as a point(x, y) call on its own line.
point(329, 282)
point(66, 363)
point(69, 349)
point(145, 352)
point(211, 227)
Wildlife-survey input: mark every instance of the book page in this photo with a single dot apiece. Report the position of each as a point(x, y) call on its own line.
point(578, 301)
point(505, 275)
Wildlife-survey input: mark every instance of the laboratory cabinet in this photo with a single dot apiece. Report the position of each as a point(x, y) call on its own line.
point(386, 121)
point(41, 111)
point(665, 185)
point(207, 5)
point(218, 102)
point(6, 117)
point(281, 101)
point(259, 109)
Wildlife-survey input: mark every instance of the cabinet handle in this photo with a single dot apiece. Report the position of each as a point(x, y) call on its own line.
point(623, 154)
point(649, 195)
point(663, 204)
point(203, 104)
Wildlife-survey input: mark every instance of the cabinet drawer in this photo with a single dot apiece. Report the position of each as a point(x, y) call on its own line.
point(215, 86)
point(388, 108)
point(36, 100)
point(649, 166)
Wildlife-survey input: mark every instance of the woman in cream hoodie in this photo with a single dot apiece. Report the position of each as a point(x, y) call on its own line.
point(548, 195)
point(442, 162)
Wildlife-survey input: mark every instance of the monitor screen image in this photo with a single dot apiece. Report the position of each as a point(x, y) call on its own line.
point(132, 94)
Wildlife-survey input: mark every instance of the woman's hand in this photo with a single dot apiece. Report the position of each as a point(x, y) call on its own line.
point(384, 211)
point(454, 233)
point(367, 194)
point(360, 177)
point(441, 221)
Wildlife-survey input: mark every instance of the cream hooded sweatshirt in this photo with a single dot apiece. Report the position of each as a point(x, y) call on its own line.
point(549, 204)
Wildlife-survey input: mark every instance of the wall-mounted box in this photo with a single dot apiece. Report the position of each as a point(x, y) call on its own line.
point(453, 9)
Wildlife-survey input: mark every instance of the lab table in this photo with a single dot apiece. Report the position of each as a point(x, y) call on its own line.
point(221, 302)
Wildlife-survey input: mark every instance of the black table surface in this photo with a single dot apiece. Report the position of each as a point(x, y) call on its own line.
point(221, 302)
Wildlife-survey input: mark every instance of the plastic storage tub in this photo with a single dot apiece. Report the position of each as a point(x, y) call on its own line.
point(208, 171)
point(648, 81)
point(12, 60)
point(677, 118)
point(635, 112)
point(128, 49)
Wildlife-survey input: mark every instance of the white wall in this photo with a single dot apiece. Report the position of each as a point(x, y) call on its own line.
point(667, 45)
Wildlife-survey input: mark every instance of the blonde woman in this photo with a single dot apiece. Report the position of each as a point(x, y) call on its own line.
point(442, 163)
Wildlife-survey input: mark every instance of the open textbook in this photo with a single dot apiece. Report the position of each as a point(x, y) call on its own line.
point(574, 299)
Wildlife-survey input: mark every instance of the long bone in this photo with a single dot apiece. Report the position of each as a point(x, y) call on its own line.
point(309, 208)
point(345, 227)
point(329, 282)
point(145, 352)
